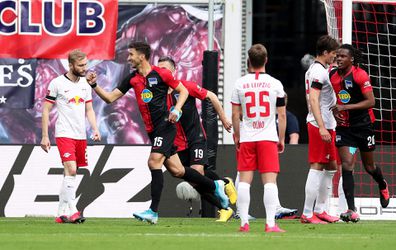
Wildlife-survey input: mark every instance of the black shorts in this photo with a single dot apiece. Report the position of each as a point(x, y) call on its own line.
point(358, 137)
point(196, 154)
point(162, 139)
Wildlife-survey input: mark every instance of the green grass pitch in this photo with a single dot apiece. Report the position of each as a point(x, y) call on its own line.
point(191, 233)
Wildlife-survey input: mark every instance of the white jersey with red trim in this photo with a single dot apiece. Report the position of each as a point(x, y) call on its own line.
point(70, 98)
point(318, 75)
point(257, 94)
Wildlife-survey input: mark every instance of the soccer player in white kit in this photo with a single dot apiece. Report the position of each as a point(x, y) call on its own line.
point(321, 133)
point(256, 98)
point(72, 96)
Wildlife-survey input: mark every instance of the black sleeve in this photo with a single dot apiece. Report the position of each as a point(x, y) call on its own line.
point(280, 101)
point(317, 85)
point(125, 85)
point(50, 98)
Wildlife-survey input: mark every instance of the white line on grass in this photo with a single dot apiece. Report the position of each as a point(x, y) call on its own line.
point(201, 235)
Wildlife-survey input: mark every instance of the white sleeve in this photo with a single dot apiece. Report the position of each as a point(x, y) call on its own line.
point(89, 93)
point(320, 76)
point(280, 93)
point(52, 90)
point(235, 96)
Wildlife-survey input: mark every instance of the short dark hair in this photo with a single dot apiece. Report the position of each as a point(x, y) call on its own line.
point(141, 47)
point(169, 60)
point(257, 55)
point(355, 53)
point(326, 43)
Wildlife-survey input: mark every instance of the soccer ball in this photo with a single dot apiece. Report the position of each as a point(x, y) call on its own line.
point(185, 191)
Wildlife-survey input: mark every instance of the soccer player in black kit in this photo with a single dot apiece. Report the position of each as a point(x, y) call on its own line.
point(355, 119)
point(191, 138)
point(151, 84)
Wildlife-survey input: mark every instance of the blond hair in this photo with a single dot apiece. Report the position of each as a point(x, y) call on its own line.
point(76, 55)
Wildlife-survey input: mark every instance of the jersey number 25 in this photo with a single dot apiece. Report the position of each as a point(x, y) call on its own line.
point(251, 103)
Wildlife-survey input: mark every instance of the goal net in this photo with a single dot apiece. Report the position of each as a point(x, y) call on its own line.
point(374, 33)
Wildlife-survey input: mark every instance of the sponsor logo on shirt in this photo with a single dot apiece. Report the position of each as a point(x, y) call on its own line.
point(152, 81)
point(146, 96)
point(366, 84)
point(76, 100)
point(344, 96)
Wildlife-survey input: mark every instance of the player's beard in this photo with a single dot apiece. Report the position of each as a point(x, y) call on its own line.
point(79, 74)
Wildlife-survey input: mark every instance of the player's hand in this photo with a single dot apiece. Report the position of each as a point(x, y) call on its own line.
point(45, 144)
point(96, 136)
point(91, 77)
point(174, 115)
point(281, 147)
point(227, 125)
point(338, 113)
point(324, 133)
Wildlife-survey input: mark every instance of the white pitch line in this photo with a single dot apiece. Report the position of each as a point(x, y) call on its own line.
point(285, 236)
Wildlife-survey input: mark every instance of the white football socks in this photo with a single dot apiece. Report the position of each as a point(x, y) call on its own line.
point(63, 208)
point(69, 188)
point(243, 202)
point(325, 185)
point(270, 200)
point(311, 191)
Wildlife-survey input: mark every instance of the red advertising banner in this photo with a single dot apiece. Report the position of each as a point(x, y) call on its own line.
point(50, 29)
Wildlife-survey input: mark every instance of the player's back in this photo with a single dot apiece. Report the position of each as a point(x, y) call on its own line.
point(257, 94)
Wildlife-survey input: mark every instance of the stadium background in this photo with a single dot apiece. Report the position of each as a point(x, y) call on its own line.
point(288, 28)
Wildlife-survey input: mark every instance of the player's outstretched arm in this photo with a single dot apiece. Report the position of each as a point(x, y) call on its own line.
point(108, 97)
point(219, 110)
point(45, 142)
point(92, 121)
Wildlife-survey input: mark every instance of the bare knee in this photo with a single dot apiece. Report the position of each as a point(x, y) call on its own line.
point(347, 165)
point(176, 171)
point(154, 164)
point(369, 167)
point(70, 168)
